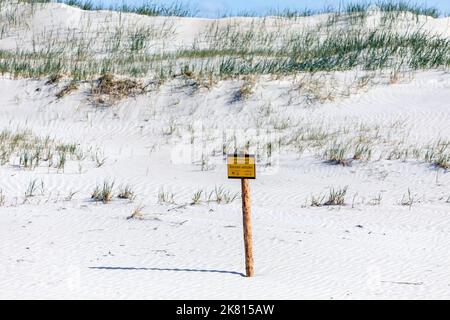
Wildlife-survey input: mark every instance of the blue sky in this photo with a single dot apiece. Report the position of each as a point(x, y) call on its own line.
point(212, 8)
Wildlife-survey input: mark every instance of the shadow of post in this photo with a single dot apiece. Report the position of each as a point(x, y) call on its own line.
point(168, 270)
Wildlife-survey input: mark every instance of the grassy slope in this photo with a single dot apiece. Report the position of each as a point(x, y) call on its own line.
point(343, 42)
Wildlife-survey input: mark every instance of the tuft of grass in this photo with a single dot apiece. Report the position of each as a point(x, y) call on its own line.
point(442, 161)
point(337, 154)
point(317, 201)
point(103, 193)
point(34, 187)
point(376, 201)
point(408, 199)
point(417, 9)
point(205, 163)
point(335, 197)
point(70, 195)
point(221, 195)
point(61, 162)
point(137, 213)
point(72, 86)
point(165, 197)
point(99, 159)
point(362, 152)
point(107, 90)
point(126, 192)
point(197, 197)
point(439, 154)
point(2, 198)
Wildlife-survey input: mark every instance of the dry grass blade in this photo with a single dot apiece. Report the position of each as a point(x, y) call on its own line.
point(107, 90)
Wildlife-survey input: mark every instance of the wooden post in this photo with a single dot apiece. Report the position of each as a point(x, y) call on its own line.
point(248, 243)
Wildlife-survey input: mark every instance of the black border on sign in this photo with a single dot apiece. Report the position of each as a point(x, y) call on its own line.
point(242, 155)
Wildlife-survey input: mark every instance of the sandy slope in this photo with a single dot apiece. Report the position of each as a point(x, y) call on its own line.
point(78, 249)
point(53, 247)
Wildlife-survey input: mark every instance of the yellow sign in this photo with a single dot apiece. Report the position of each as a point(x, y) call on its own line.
point(241, 166)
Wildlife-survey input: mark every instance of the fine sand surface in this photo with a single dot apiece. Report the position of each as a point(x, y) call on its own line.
point(390, 240)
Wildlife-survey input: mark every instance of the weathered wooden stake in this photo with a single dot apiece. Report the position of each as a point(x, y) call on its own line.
point(248, 242)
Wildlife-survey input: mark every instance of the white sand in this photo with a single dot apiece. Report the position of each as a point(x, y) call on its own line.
point(51, 247)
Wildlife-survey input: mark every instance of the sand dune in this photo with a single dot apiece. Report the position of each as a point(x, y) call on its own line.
point(389, 240)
